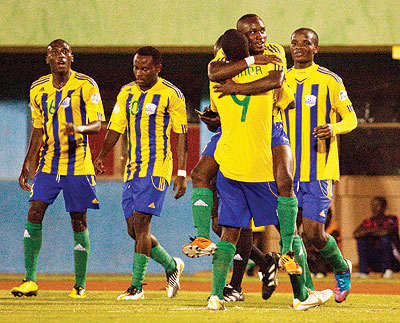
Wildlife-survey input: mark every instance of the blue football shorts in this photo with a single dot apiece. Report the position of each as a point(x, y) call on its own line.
point(279, 136)
point(238, 202)
point(79, 191)
point(209, 150)
point(315, 197)
point(144, 194)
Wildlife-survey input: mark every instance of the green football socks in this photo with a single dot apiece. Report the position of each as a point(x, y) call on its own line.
point(222, 261)
point(299, 281)
point(287, 215)
point(159, 254)
point(32, 244)
point(140, 262)
point(333, 255)
point(81, 256)
point(306, 269)
point(202, 204)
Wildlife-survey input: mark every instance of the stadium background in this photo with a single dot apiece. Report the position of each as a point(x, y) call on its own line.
point(356, 39)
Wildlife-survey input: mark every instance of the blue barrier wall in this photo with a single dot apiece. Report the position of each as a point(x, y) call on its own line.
point(111, 246)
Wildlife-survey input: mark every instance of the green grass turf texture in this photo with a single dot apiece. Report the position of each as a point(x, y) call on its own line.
point(56, 306)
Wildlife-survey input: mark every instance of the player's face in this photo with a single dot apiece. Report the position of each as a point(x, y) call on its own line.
point(146, 72)
point(254, 29)
point(303, 48)
point(59, 57)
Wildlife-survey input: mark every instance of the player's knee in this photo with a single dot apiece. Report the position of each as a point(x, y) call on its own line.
point(285, 184)
point(198, 177)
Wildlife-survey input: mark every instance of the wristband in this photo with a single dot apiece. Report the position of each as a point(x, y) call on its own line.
point(250, 60)
point(181, 172)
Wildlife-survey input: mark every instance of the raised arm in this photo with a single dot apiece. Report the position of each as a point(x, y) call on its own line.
point(220, 70)
point(272, 81)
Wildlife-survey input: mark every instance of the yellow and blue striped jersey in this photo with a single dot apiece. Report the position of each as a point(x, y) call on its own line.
point(244, 149)
point(320, 95)
point(79, 102)
point(149, 117)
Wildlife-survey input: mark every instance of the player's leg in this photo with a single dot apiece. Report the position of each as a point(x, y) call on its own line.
point(287, 201)
point(202, 201)
point(81, 252)
point(316, 202)
point(233, 215)
point(45, 189)
point(233, 290)
point(80, 194)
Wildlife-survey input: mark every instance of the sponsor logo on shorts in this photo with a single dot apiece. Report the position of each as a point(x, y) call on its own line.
point(26, 234)
point(152, 206)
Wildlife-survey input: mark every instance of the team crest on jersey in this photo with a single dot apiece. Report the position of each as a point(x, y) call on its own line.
point(66, 103)
point(116, 108)
point(310, 100)
point(95, 98)
point(150, 108)
point(342, 95)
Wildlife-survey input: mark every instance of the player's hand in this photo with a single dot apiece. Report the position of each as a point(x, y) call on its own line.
point(70, 129)
point(99, 164)
point(23, 180)
point(212, 122)
point(179, 186)
point(323, 132)
point(227, 88)
point(267, 59)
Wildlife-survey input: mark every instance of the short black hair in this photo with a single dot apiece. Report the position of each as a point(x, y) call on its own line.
point(235, 45)
point(55, 41)
point(150, 51)
point(244, 17)
point(308, 30)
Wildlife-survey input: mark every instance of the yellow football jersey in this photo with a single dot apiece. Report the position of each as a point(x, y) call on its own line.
point(244, 149)
point(79, 102)
point(320, 95)
point(149, 116)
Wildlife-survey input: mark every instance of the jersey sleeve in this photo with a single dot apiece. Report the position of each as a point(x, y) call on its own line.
point(37, 115)
point(94, 104)
point(283, 96)
point(177, 110)
point(118, 121)
point(276, 49)
point(342, 104)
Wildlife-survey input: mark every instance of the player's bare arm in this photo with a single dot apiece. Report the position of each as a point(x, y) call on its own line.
point(30, 161)
point(72, 129)
point(218, 71)
point(181, 150)
point(272, 81)
point(110, 140)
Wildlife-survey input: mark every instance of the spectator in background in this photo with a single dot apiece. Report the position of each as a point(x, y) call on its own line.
point(378, 241)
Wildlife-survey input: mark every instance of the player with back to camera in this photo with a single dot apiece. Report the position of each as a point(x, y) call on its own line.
point(313, 129)
point(148, 109)
point(66, 108)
